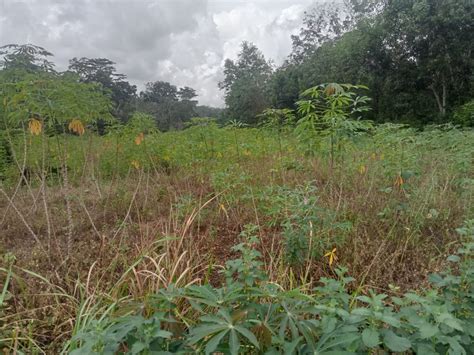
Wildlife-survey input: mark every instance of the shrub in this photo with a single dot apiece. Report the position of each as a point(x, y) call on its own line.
point(464, 115)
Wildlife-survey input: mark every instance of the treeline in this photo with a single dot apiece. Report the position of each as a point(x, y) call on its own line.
point(414, 55)
point(170, 106)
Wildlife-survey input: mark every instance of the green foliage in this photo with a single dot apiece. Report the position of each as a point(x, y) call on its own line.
point(277, 119)
point(309, 230)
point(26, 57)
point(102, 71)
point(53, 99)
point(414, 55)
point(171, 107)
point(326, 111)
point(5, 156)
point(464, 115)
point(247, 270)
point(141, 335)
point(248, 315)
point(38, 105)
point(321, 24)
point(247, 310)
point(244, 84)
point(142, 122)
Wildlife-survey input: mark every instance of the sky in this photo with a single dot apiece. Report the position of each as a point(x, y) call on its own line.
point(184, 42)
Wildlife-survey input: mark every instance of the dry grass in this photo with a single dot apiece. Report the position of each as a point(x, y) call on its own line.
point(133, 236)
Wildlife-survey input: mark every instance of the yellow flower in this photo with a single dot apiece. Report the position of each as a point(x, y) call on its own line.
point(139, 139)
point(35, 127)
point(362, 169)
point(135, 164)
point(77, 127)
point(332, 256)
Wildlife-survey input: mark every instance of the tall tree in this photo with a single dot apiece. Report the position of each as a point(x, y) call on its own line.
point(26, 57)
point(245, 83)
point(414, 55)
point(186, 93)
point(435, 38)
point(103, 71)
point(158, 91)
point(170, 106)
point(328, 22)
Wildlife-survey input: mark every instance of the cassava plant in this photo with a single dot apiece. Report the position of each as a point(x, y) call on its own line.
point(43, 107)
point(331, 111)
point(278, 121)
point(249, 315)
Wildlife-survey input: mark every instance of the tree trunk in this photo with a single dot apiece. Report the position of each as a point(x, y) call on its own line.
point(443, 111)
point(441, 101)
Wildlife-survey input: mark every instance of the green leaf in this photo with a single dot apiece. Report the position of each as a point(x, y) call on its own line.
point(428, 330)
point(337, 342)
point(203, 331)
point(249, 335)
point(454, 347)
point(137, 347)
point(396, 343)
point(454, 258)
point(426, 349)
point(406, 174)
point(361, 312)
point(328, 324)
point(215, 341)
point(162, 334)
point(289, 348)
point(450, 321)
point(370, 337)
point(234, 343)
point(394, 322)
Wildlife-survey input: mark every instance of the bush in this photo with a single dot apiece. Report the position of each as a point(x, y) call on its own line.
point(464, 115)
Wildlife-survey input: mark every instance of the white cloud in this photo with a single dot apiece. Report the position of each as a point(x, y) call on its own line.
point(181, 41)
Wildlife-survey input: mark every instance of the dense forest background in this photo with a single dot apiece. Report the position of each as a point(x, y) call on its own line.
point(415, 56)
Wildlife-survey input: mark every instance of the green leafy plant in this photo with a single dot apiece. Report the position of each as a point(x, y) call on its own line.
point(309, 229)
point(278, 121)
point(464, 115)
point(333, 111)
point(248, 315)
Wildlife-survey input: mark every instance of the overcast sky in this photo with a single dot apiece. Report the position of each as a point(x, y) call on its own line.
point(184, 42)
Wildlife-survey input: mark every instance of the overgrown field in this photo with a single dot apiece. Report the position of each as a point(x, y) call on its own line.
point(212, 238)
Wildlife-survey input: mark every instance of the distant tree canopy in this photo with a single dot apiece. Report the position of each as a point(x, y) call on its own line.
point(170, 106)
point(102, 71)
point(28, 58)
point(209, 111)
point(415, 56)
point(245, 82)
